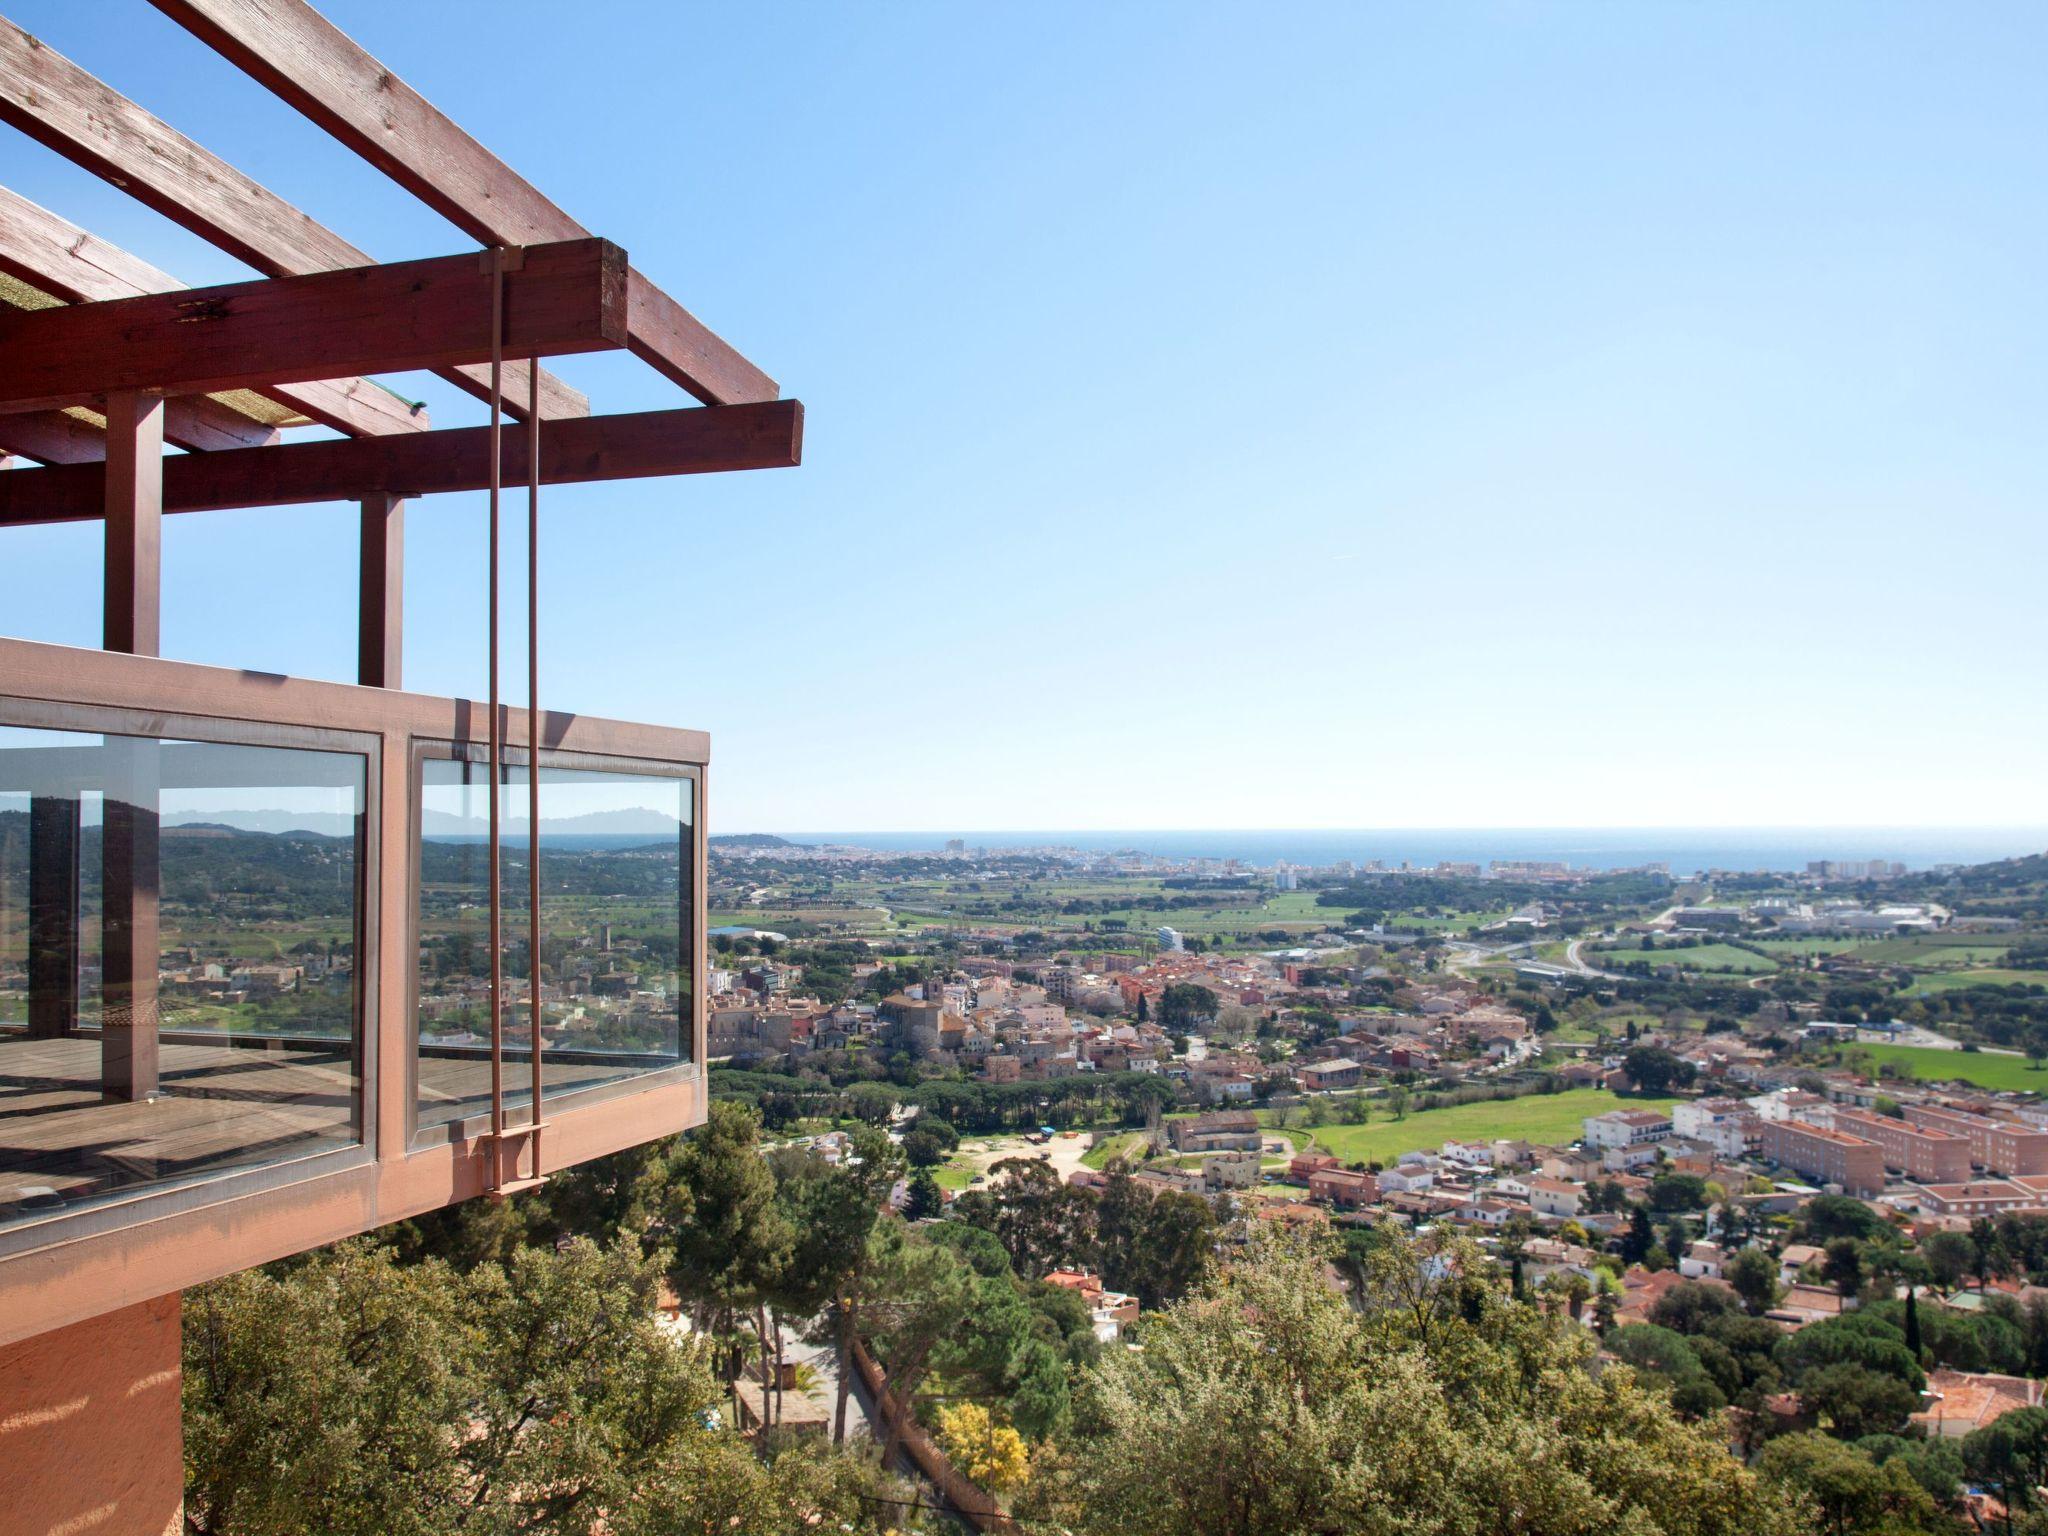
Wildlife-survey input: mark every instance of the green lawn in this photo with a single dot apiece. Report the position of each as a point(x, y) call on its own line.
point(1098, 1156)
point(1979, 1067)
point(1552, 1119)
point(1704, 957)
point(946, 1175)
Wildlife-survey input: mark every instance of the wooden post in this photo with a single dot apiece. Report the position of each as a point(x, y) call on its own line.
point(381, 618)
point(129, 880)
point(135, 509)
point(52, 915)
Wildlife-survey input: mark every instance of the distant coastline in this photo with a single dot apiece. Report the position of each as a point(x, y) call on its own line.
point(1685, 850)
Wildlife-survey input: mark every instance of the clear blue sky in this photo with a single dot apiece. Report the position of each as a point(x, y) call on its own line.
point(1305, 415)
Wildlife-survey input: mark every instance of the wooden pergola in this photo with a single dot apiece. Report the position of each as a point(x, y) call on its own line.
point(104, 361)
point(104, 358)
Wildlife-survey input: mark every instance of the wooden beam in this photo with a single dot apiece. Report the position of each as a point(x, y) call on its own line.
point(568, 297)
point(129, 948)
point(53, 437)
point(304, 58)
point(64, 261)
point(133, 503)
point(703, 440)
point(53, 101)
point(380, 631)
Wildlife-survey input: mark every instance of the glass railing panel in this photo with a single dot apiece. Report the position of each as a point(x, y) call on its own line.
point(618, 900)
point(179, 927)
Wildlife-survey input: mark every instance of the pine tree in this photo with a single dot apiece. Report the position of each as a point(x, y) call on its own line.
point(925, 1200)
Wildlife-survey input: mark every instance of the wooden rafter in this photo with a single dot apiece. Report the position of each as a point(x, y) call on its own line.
point(317, 68)
point(568, 297)
point(60, 259)
point(697, 440)
point(57, 437)
point(52, 100)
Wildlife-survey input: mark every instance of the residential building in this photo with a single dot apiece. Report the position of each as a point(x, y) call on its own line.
point(2002, 1147)
point(1928, 1156)
point(1702, 1261)
point(1343, 1188)
point(1222, 1131)
point(1959, 1403)
point(1729, 1126)
point(1321, 1076)
point(1229, 1170)
point(1626, 1128)
point(1554, 1197)
point(1304, 1164)
point(1833, 1158)
point(1985, 1197)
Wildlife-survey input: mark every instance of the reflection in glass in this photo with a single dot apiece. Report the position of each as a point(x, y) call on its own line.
point(179, 924)
point(617, 862)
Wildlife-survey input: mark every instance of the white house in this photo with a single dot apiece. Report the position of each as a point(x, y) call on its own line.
point(1729, 1126)
point(1626, 1128)
point(1702, 1261)
point(1555, 1197)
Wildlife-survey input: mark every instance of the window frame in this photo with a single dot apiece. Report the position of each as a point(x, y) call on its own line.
point(468, 1128)
point(148, 1202)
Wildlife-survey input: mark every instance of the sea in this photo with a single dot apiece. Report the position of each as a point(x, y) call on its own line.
point(1686, 850)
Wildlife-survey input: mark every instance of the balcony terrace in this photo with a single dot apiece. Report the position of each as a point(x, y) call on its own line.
point(284, 960)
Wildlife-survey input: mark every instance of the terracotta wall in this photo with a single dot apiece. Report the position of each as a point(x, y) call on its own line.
point(90, 1441)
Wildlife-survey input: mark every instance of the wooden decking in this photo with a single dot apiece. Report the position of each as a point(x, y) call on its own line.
point(218, 1108)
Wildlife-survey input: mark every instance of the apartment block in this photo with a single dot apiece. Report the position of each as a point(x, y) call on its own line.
point(2004, 1147)
point(1828, 1156)
point(1926, 1155)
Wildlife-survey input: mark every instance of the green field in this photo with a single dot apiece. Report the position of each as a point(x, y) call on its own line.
point(2012, 1073)
point(1934, 949)
point(1722, 958)
point(1950, 981)
point(1098, 1156)
point(1552, 1119)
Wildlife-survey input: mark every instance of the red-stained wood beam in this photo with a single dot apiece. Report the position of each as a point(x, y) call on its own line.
point(60, 259)
point(708, 439)
point(53, 101)
point(52, 437)
point(568, 297)
point(132, 480)
point(380, 584)
point(317, 68)
point(132, 502)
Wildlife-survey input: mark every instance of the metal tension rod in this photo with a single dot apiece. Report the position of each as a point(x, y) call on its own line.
point(533, 747)
point(494, 1174)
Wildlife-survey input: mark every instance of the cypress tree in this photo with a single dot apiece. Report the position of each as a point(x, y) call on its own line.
point(1912, 1323)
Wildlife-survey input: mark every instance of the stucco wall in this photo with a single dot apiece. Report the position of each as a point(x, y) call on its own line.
point(90, 1438)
